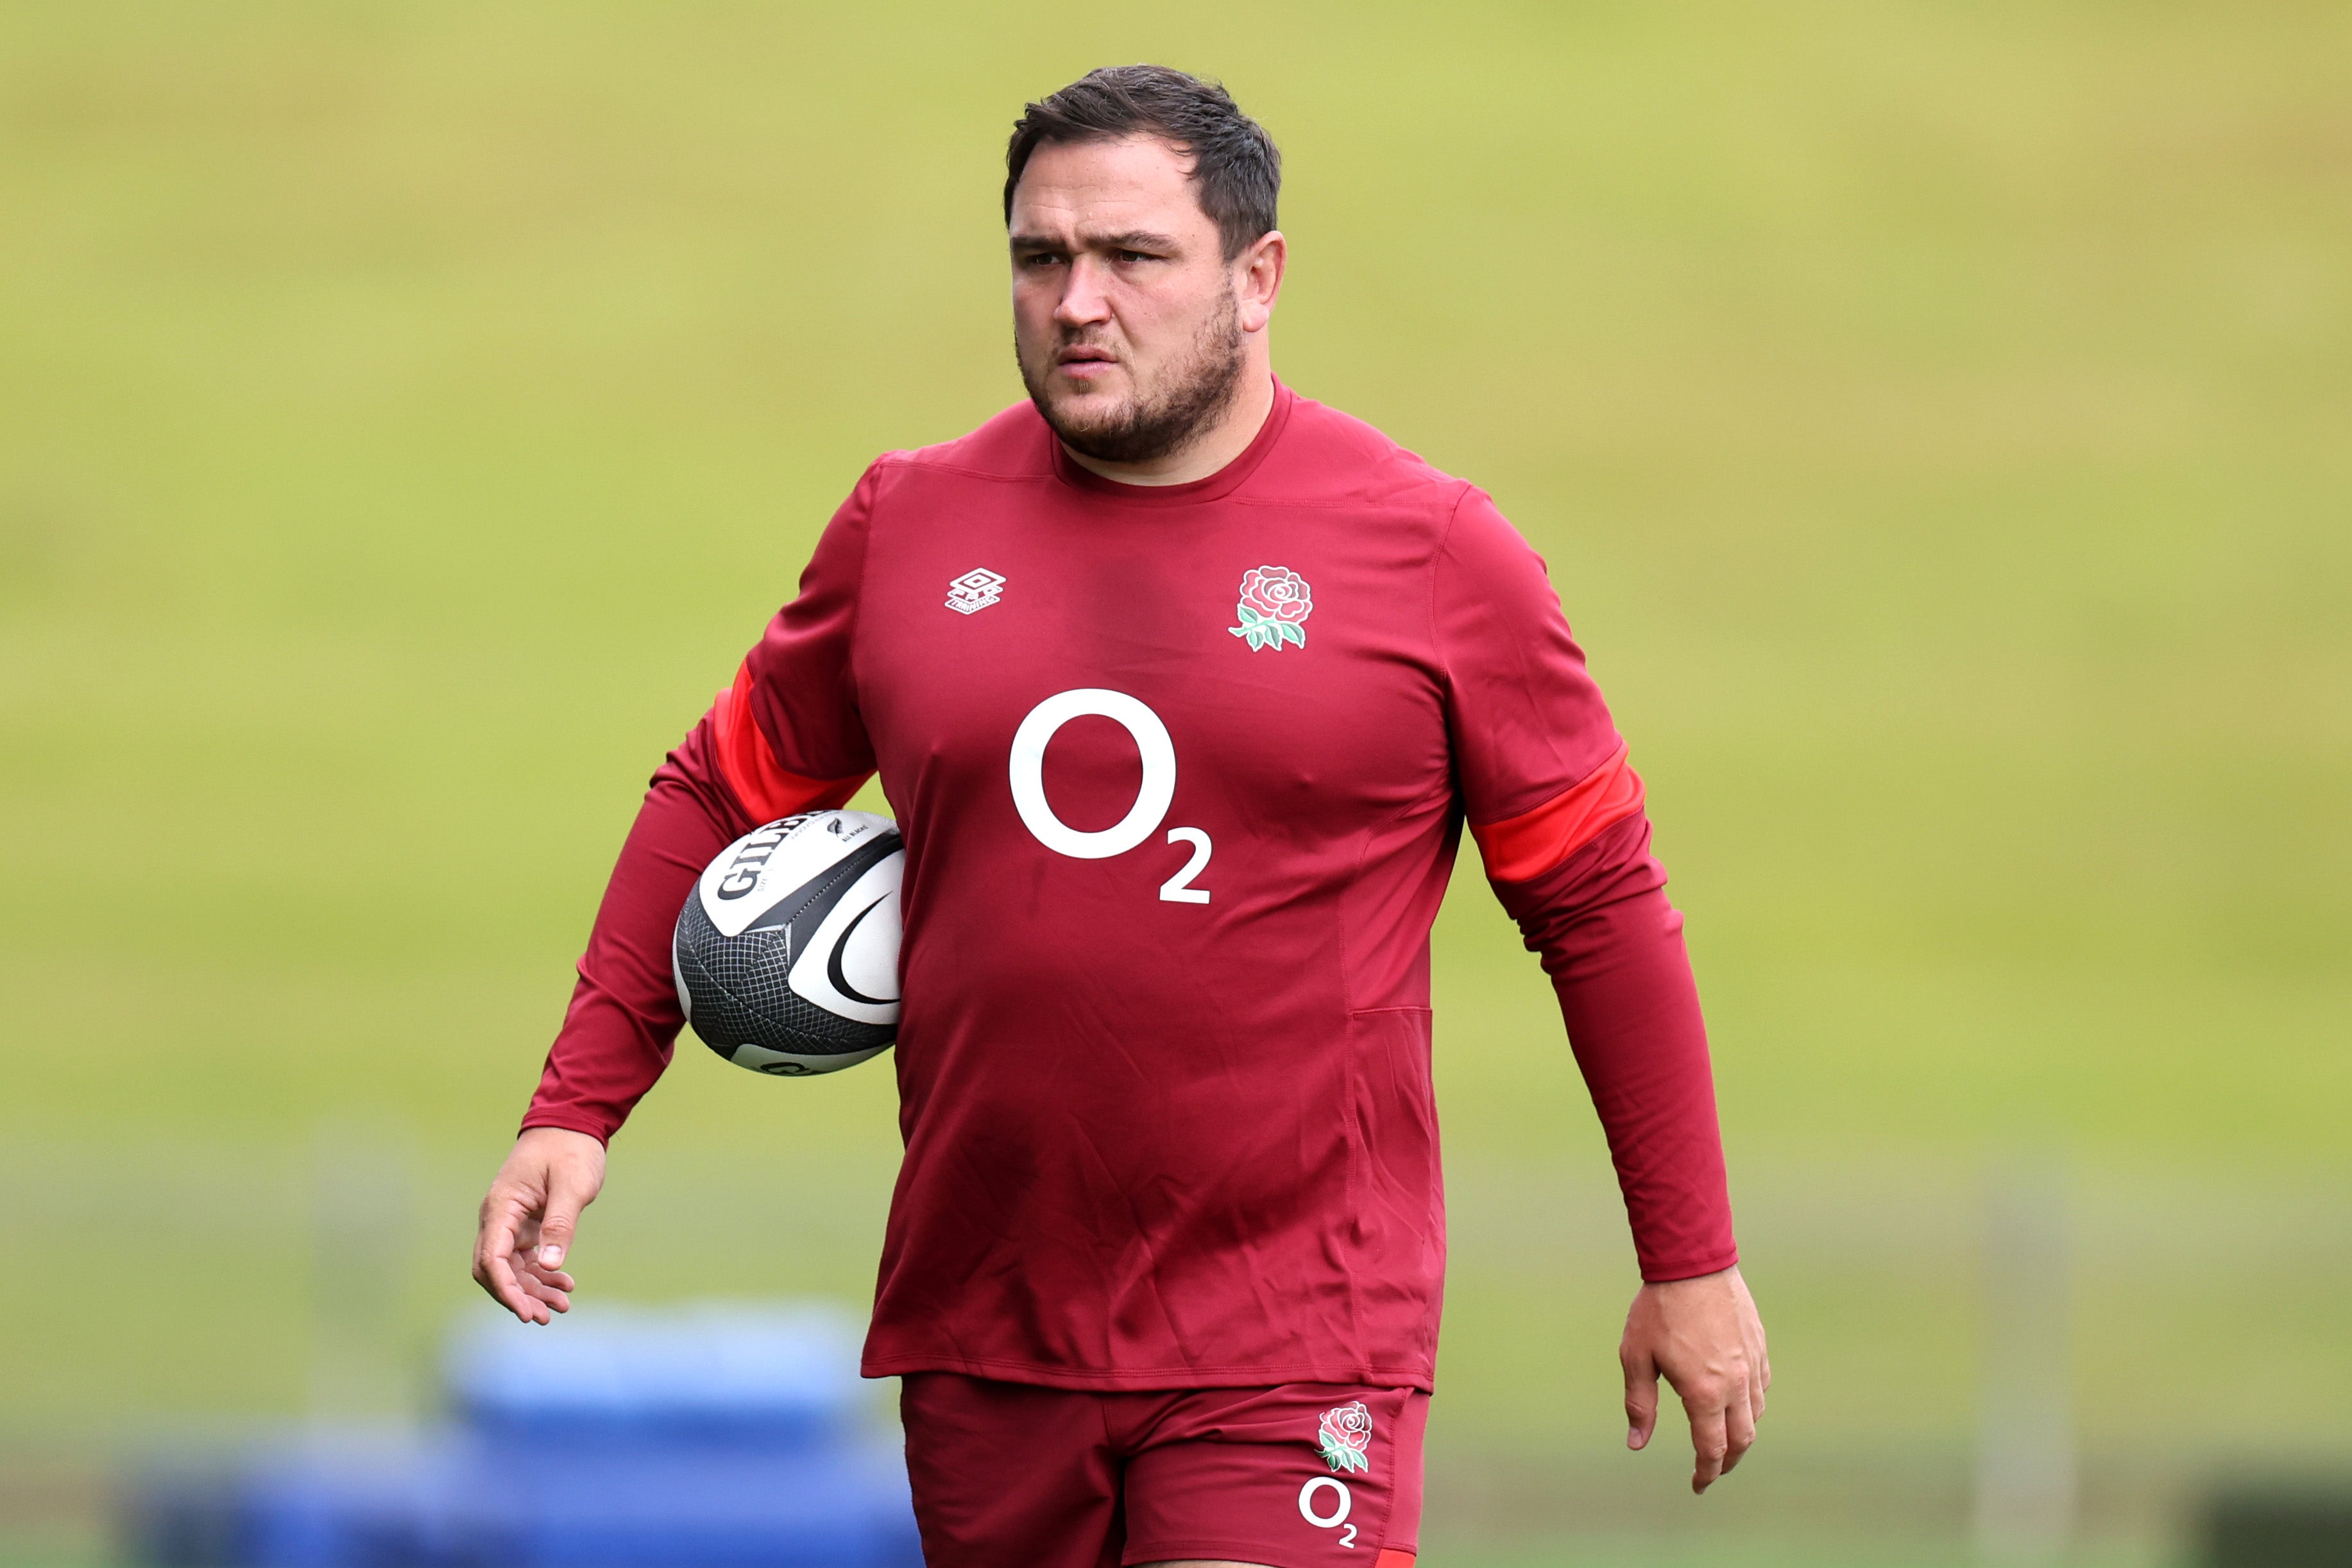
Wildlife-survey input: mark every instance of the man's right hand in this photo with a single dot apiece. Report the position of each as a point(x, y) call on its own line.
point(529, 1216)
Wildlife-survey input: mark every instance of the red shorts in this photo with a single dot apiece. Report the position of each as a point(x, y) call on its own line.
point(1307, 1475)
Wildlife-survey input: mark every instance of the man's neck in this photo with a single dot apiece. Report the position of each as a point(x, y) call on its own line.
point(1207, 453)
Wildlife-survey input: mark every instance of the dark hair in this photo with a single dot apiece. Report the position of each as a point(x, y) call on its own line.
point(1235, 166)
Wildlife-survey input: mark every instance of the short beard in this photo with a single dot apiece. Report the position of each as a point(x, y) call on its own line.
point(1198, 392)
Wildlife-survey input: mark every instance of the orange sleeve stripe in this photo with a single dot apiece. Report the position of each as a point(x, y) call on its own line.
point(766, 790)
point(1533, 842)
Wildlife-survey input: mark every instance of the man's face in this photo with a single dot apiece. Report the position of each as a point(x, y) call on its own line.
point(1124, 312)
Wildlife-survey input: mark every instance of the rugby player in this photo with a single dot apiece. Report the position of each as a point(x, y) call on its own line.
point(1181, 686)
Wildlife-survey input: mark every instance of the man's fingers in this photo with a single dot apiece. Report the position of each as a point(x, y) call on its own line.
point(497, 1274)
point(1709, 1445)
point(1759, 1363)
point(503, 1267)
point(1739, 1425)
point(1641, 1397)
point(526, 1295)
point(539, 1281)
point(494, 1235)
point(559, 1300)
point(493, 1248)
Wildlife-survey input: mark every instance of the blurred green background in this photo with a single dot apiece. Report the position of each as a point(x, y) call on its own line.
point(1935, 415)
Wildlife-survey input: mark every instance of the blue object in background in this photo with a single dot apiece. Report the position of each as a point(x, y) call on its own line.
point(710, 1437)
point(710, 1375)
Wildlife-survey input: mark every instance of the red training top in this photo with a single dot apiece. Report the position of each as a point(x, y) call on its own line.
point(1181, 771)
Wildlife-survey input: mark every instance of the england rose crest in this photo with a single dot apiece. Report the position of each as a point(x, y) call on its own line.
point(1345, 1436)
point(1275, 600)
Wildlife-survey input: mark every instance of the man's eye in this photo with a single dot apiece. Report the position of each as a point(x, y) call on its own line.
point(1130, 256)
point(1041, 259)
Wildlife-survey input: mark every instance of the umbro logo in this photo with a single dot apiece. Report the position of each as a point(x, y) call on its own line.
point(975, 591)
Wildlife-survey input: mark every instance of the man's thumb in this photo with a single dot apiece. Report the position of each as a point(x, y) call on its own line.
point(565, 1199)
point(1640, 1399)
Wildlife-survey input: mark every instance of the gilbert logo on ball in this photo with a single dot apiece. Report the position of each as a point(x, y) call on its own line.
point(748, 856)
point(1276, 603)
point(1345, 1436)
point(786, 953)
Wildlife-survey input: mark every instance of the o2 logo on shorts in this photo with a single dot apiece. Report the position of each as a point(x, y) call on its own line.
point(1328, 1512)
point(1152, 801)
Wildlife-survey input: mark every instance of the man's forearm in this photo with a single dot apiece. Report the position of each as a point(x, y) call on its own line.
point(1614, 948)
point(624, 1016)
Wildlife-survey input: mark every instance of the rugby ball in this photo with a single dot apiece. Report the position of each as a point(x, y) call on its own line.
point(786, 955)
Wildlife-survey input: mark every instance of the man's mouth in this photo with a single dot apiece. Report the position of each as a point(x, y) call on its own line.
point(1080, 355)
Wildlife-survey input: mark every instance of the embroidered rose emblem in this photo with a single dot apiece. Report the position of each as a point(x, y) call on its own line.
point(1345, 1436)
point(1274, 600)
point(1277, 590)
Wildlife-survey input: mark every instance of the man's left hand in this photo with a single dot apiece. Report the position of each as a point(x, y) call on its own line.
point(1704, 1337)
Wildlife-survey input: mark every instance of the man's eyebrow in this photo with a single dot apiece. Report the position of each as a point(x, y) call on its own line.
point(1130, 239)
point(1136, 239)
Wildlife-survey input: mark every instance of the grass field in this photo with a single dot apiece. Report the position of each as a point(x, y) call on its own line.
point(1933, 416)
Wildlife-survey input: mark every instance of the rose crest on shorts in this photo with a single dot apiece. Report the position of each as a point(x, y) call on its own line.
point(1345, 1436)
point(1274, 600)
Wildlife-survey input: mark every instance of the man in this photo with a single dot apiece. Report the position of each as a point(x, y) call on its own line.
point(1181, 687)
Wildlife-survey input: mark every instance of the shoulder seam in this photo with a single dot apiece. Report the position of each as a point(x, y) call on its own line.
point(857, 598)
point(1436, 557)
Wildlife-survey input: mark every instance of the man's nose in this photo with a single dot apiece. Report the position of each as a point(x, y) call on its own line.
point(1084, 300)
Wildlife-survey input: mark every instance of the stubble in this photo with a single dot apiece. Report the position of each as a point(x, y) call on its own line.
point(1193, 394)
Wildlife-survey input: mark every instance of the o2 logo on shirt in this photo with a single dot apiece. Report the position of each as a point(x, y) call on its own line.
point(1152, 802)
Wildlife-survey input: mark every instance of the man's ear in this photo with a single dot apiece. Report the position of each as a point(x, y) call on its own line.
point(1257, 278)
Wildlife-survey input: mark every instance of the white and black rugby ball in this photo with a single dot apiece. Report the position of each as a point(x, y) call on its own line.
point(787, 953)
